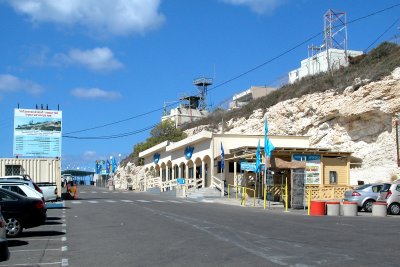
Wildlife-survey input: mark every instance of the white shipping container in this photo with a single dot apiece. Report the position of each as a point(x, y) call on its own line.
point(39, 169)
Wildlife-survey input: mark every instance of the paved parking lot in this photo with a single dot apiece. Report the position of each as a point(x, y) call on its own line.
point(41, 246)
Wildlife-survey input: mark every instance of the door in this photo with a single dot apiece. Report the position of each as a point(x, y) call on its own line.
point(297, 188)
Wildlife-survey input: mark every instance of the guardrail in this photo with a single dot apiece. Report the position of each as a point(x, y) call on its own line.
point(243, 190)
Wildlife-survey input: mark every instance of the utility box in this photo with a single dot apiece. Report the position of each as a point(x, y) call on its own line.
point(39, 169)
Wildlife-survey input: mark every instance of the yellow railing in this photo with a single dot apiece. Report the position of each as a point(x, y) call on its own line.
point(243, 190)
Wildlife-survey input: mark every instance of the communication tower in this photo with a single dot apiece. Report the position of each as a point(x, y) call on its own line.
point(202, 83)
point(335, 30)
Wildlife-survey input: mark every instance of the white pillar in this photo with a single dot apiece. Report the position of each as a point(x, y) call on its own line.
point(203, 174)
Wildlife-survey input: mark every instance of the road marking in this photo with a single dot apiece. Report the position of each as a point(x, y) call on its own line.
point(174, 201)
point(63, 239)
point(94, 192)
point(159, 201)
point(64, 248)
point(33, 250)
point(93, 201)
point(83, 192)
point(143, 201)
point(188, 201)
point(207, 201)
point(126, 200)
point(36, 264)
point(105, 192)
point(76, 202)
point(111, 201)
point(64, 262)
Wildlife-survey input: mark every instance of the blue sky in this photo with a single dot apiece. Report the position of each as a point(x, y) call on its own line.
point(104, 61)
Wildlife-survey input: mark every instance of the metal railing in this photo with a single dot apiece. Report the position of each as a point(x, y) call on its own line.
point(243, 191)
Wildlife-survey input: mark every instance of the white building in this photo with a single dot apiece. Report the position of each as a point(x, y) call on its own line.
point(254, 92)
point(335, 58)
point(186, 112)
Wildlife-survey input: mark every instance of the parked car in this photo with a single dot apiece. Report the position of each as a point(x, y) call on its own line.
point(21, 178)
point(21, 188)
point(21, 212)
point(4, 252)
point(49, 191)
point(390, 193)
point(364, 195)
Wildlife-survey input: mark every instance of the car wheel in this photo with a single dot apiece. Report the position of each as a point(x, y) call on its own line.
point(13, 227)
point(367, 207)
point(394, 208)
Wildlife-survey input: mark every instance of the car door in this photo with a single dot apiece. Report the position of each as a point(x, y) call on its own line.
point(14, 188)
point(10, 206)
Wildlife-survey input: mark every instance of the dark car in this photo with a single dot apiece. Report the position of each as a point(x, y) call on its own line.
point(21, 212)
point(4, 252)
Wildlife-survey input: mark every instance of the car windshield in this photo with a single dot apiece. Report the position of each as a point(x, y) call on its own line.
point(385, 187)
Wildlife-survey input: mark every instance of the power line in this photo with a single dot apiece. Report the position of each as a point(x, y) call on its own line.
point(391, 26)
point(218, 85)
point(105, 137)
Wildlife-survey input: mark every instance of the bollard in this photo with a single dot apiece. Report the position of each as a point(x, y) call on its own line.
point(333, 208)
point(350, 208)
point(317, 208)
point(379, 209)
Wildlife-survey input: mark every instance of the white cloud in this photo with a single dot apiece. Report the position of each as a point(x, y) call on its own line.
point(94, 93)
point(97, 59)
point(89, 155)
point(117, 17)
point(10, 83)
point(257, 6)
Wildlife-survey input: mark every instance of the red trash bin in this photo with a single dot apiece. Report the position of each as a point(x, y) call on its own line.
point(317, 208)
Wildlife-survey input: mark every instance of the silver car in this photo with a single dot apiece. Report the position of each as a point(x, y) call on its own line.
point(390, 193)
point(364, 195)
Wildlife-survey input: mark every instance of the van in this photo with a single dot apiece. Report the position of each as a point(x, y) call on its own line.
point(390, 193)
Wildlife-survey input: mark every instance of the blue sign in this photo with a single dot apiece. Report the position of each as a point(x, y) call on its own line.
point(189, 152)
point(307, 157)
point(248, 166)
point(180, 180)
point(156, 158)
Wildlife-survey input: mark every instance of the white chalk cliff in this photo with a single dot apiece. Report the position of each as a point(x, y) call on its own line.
point(360, 120)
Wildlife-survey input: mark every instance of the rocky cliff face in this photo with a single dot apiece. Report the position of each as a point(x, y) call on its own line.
point(360, 120)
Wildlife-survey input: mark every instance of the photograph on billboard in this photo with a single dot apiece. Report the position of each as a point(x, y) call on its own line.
point(313, 168)
point(37, 133)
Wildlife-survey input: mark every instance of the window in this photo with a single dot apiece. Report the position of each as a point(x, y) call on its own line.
point(13, 170)
point(6, 197)
point(232, 167)
point(332, 177)
point(15, 189)
point(398, 188)
point(219, 167)
point(376, 188)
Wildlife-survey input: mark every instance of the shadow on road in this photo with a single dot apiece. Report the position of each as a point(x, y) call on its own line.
point(16, 243)
point(41, 233)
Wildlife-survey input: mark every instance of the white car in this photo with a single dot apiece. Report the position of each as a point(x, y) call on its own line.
point(22, 189)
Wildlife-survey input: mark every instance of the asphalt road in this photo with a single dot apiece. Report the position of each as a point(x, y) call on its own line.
point(138, 229)
point(104, 228)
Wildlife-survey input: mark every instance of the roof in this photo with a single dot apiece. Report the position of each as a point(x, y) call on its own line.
point(77, 173)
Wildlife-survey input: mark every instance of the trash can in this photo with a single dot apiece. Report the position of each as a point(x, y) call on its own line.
point(350, 208)
point(379, 209)
point(333, 208)
point(317, 208)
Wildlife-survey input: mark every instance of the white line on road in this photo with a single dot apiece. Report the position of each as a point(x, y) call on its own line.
point(36, 264)
point(83, 192)
point(159, 201)
point(174, 201)
point(94, 192)
point(143, 201)
point(110, 201)
point(76, 202)
point(126, 200)
point(93, 201)
point(64, 248)
point(64, 262)
point(63, 239)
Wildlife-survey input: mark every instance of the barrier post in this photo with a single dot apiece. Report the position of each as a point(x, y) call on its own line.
point(286, 196)
point(309, 200)
point(229, 191)
point(265, 197)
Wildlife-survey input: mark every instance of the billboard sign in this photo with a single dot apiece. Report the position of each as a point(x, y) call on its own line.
point(37, 133)
point(313, 167)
